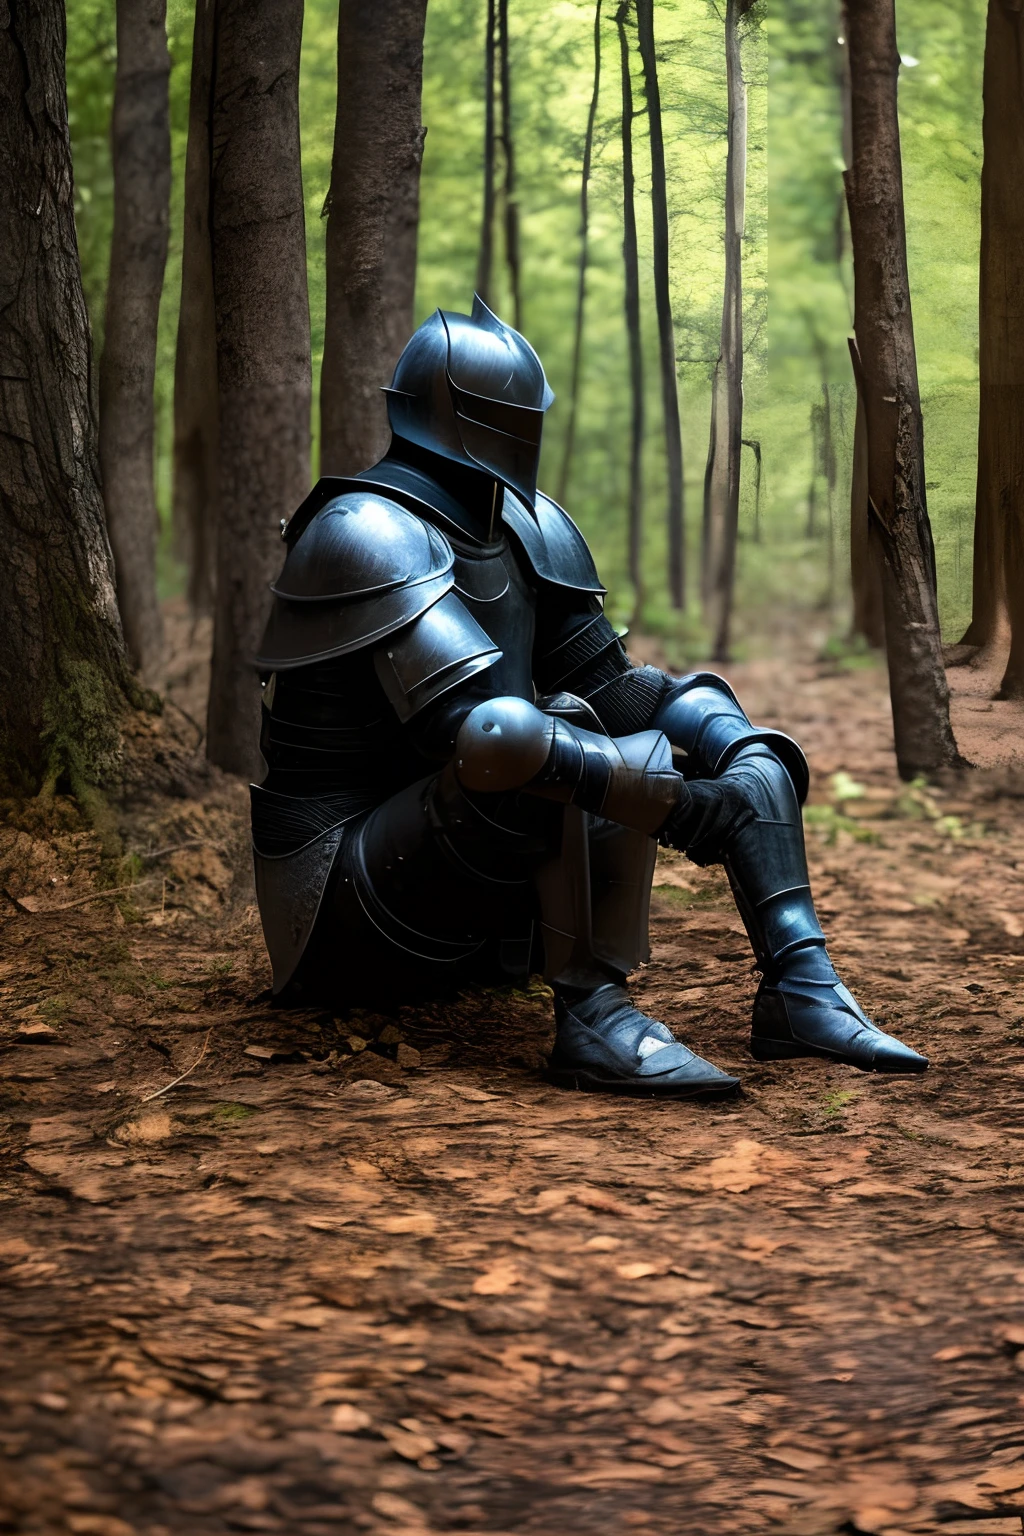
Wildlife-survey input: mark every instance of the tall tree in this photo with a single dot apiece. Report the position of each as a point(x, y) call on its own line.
point(865, 570)
point(581, 278)
point(631, 262)
point(485, 259)
point(886, 364)
point(196, 436)
point(663, 305)
point(999, 505)
point(372, 220)
point(141, 145)
point(65, 679)
point(722, 476)
point(263, 351)
point(509, 192)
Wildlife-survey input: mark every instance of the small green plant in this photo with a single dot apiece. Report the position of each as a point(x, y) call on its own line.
point(231, 1114)
point(828, 823)
point(835, 1103)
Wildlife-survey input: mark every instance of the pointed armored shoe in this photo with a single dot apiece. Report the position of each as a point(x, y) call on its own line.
point(606, 1045)
point(804, 1015)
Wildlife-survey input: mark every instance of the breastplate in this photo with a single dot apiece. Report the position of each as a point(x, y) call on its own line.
point(491, 584)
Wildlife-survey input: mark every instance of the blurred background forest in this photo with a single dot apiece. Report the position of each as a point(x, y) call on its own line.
point(797, 271)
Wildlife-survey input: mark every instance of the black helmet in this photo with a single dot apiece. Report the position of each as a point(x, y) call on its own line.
point(473, 390)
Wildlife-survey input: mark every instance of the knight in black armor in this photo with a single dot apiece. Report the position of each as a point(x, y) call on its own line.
point(468, 779)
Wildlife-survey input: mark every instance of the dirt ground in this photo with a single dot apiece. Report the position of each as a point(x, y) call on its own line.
point(273, 1271)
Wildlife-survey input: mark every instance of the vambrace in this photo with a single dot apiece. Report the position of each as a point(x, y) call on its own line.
point(507, 744)
point(580, 653)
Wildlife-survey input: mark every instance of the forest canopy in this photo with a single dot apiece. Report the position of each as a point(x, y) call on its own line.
point(796, 262)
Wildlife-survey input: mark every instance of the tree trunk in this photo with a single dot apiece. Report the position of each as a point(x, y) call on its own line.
point(581, 281)
point(828, 453)
point(999, 509)
point(196, 430)
point(755, 447)
point(865, 563)
point(663, 305)
point(263, 364)
point(485, 260)
point(141, 135)
point(865, 566)
point(722, 477)
point(631, 261)
point(65, 679)
point(373, 214)
point(811, 530)
point(887, 366)
point(509, 189)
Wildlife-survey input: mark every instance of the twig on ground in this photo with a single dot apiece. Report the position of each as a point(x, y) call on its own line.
point(168, 1086)
point(190, 842)
point(80, 901)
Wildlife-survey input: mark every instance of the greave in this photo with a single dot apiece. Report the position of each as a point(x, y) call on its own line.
point(767, 865)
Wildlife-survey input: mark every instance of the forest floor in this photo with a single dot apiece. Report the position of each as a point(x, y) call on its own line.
point(376, 1275)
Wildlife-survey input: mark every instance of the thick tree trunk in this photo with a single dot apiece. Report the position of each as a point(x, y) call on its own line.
point(722, 476)
point(263, 363)
point(485, 259)
point(631, 261)
point(999, 510)
point(373, 216)
point(65, 680)
point(887, 365)
point(581, 281)
point(663, 305)
point(196, 432)
point(509, 192)
point(141, 136)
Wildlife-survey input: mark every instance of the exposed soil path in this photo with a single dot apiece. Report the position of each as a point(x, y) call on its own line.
point(412, 1288)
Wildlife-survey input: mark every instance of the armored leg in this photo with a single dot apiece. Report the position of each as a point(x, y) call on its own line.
point(755, 829)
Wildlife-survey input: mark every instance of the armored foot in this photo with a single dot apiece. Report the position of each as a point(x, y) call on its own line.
point(606, 1045)
point(805, 1015)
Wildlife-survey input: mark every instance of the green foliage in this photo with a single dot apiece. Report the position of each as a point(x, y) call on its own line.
point(796, 261)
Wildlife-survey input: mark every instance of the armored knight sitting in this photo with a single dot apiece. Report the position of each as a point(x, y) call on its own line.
point(468, 779)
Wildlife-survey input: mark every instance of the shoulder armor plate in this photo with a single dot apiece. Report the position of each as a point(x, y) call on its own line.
point(443, 647)
point(552, 544)
point(358, 568)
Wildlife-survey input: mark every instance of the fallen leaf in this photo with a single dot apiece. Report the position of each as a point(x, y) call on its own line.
point(497, 1280)
point(349, 1420)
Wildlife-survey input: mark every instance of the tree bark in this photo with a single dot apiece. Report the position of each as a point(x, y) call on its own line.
point(999, 508)
point(663, 306)
point(196, 454)
point(754, 445)
point(485, 260)
point(631, 262)
point(865, 566)
point(581, 280)
point(263, 361)
point(65, 680)
point(141, 135)
point(887, 365)
point(509, 192)
point(373, 215)
point(722, 476)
